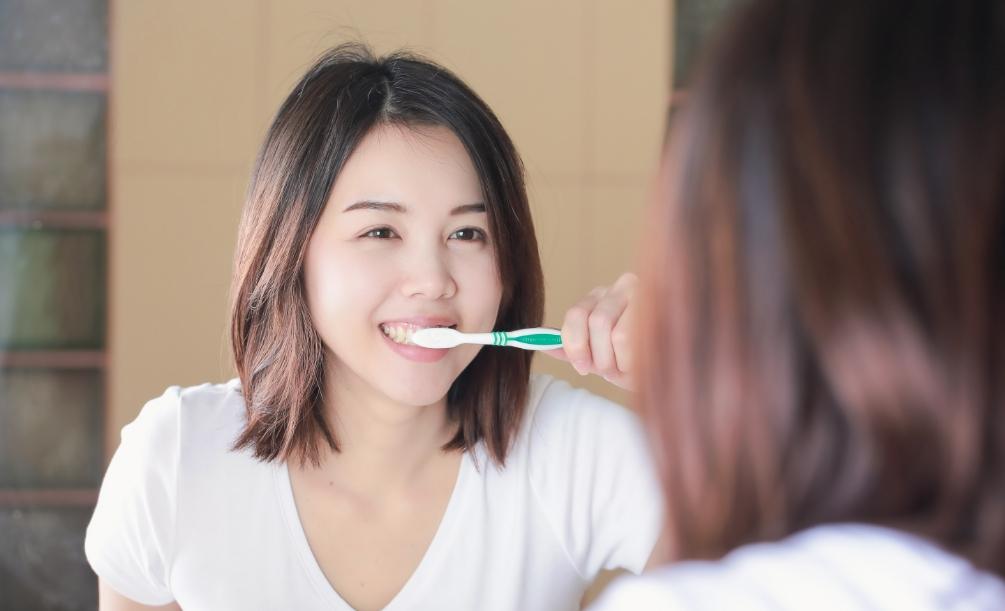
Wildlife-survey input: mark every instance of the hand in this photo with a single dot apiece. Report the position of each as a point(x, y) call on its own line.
point(596, 334)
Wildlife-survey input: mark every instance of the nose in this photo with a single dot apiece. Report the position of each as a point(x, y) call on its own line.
point(427, 274)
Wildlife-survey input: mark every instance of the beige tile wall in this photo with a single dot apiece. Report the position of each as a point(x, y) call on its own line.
point(580, 84)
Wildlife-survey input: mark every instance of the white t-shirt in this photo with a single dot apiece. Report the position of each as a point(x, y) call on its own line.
point(182, 517)
point(844, 567)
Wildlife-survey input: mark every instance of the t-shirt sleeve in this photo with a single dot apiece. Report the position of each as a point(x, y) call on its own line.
point(131, 534)
point(593, 474)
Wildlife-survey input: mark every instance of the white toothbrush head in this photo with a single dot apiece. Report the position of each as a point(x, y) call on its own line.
point(437, 337)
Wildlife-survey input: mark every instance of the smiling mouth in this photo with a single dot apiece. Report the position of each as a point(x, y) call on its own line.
point(401, 333)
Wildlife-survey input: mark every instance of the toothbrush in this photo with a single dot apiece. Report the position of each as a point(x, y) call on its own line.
point(528, 339)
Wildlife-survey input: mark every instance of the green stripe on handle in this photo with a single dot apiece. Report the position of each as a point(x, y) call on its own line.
point(540, 339)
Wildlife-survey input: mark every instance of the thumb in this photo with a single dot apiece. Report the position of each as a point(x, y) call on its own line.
point(558, 353)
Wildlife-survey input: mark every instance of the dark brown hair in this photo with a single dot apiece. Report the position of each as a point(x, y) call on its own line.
point(824, 288)
point(279, 355)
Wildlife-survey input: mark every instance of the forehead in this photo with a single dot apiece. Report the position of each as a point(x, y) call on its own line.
point(417, 166)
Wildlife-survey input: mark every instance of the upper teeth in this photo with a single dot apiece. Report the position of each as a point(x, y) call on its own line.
point(400, 333)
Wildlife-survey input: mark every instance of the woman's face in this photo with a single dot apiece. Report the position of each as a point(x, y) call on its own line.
point(403, 243)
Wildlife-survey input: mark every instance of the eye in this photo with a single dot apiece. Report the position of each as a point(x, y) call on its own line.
point(468, 234)
point(380, 233)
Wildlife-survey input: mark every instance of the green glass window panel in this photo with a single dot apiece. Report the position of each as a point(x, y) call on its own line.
point(52, 150)
point(694, 22)
point(42, 563)
point(54, 35)
point(52, 289)
point(51, 429)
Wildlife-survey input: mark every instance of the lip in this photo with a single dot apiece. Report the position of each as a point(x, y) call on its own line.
point(422, 321)
point(412, 352)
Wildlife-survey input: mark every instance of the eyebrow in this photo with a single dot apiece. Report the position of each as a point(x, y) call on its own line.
point(396, 207)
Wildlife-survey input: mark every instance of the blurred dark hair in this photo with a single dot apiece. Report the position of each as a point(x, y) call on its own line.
point(824, 307)
point(279, 355)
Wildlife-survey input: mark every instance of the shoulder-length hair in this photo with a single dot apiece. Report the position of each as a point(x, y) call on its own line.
point(278, 354)
point(824, 287)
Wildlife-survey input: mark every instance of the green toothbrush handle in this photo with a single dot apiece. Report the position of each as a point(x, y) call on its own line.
point(540, 338)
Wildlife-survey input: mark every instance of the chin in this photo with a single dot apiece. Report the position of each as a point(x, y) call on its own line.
point(418, 385)
point(416, 395)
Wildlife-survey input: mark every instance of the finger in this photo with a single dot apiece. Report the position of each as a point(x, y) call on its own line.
point(622, 380)
point(622, 340)
point(576, 332)
point(626, 281)
point(558, 353)
point(602, 322)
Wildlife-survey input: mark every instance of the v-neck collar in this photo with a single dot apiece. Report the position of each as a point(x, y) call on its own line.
point(437, 547)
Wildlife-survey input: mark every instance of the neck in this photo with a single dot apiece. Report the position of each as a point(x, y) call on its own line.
point(384, 445)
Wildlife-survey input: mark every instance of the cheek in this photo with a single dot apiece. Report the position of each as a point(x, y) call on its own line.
point(482, 290)
point(341, 288)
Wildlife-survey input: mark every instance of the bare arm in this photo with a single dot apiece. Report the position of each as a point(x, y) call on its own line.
point(110, 600)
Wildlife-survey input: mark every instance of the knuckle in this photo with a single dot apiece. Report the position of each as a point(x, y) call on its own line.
point(577, 314)
point(628, 278)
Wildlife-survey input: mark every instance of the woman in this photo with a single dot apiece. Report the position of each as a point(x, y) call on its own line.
point(347, 467)
point(822, 358)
